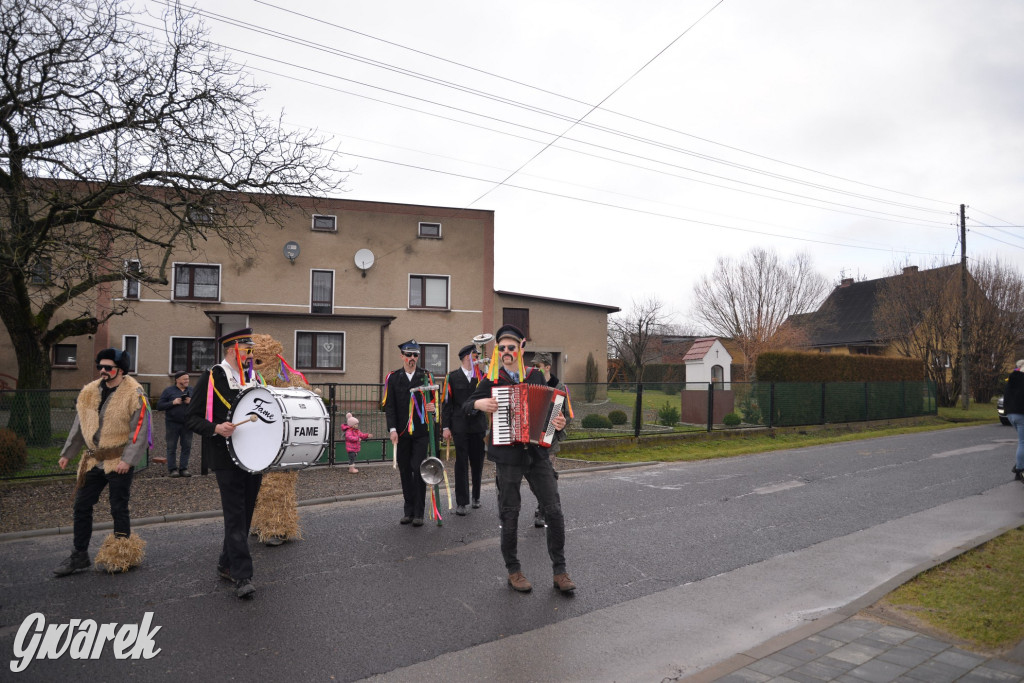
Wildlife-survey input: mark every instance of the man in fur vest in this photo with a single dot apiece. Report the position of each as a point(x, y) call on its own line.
point(111, 414)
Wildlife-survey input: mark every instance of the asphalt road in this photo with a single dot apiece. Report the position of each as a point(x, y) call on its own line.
point(678, 567)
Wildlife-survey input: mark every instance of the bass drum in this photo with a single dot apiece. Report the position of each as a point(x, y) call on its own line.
point(290, 430)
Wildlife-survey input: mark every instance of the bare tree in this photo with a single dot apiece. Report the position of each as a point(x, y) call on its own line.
point(750, 299)
point(631, 334)
point(996, 326)
point(117, 144)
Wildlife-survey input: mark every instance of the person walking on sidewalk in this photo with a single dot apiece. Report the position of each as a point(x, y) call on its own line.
point(518, 461)
point(1013, 404)
point(174, 402)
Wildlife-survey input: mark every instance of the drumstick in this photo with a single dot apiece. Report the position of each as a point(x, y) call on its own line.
point(251, 418)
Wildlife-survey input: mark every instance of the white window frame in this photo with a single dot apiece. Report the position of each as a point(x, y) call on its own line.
point(334, 222)
point(419, 231)
point(333, 281)
point(132, 353)
point(424, 307)
point(128, 280)
point(344, 351)
point(174, 281)
point(170, 352)
point(447, 358)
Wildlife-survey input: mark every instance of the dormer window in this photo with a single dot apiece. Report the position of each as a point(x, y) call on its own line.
point(322, 223)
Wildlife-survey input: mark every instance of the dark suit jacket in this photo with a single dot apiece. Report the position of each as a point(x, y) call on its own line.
point(453, 417)
point(215, 447)
point(396, 407)
point(513, 454)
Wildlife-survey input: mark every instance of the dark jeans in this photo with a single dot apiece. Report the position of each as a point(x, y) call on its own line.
point(85, 498)
point(541, 477)
point(410, 453)
point(238, 491)
point(177, 431)
point(469, 454)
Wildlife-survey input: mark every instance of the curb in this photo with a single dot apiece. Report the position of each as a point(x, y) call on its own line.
point(210, 514)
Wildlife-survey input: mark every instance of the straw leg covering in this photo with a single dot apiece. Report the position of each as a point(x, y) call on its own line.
point(121, 553)
point(277, 511)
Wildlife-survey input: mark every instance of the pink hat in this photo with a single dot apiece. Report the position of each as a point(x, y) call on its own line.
point(351, 421)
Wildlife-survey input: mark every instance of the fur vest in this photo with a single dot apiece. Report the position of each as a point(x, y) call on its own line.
point(118, 426)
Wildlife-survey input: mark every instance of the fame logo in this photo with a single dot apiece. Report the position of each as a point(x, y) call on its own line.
point(262, 413)
point(82, 639)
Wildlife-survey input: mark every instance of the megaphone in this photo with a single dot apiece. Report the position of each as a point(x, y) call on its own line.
point(432, 470)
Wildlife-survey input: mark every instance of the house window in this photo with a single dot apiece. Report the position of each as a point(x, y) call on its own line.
point(434, 359)
point(320, 350)
point(193, 354)
point(942, 359)
point(428, 291)
point(65, 355)
point(40, 272)
point(520, 317)
point(130, 343)
point(196, 282)
point(321, 299)
point(432, 230)
point(132, 268)
point(199, 215)
point(325, 223)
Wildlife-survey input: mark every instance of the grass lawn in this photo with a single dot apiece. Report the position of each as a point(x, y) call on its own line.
point(976, 597)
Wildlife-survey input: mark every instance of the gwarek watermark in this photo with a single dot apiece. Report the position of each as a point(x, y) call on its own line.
point(81, 639)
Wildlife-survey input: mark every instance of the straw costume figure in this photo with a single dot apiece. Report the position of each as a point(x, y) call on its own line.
point(276, 518)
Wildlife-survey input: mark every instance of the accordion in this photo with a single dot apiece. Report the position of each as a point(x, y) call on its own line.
point(525, 413)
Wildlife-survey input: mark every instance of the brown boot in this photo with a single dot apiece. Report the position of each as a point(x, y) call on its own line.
point(519, 582)
point(564, 583)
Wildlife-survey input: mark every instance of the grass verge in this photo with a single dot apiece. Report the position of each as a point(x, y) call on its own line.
point(976, 597)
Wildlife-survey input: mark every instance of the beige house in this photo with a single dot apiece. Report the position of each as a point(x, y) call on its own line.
point(339, 285)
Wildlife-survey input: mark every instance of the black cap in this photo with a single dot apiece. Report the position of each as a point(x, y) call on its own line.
point(242, 336)
point(122, 359)
point(509, 331)
point(466, 350)
point(411, 345)
point(179, 373)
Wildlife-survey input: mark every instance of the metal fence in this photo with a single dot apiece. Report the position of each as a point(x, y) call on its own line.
point(44, 418)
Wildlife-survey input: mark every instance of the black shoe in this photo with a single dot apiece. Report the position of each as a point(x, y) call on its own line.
point(274, 541)
point(418, 521)
point(476, 504)
point(244, 589)
point(184, 473)
point(1018, 475)
point(460, 510)
point(173, 473)
point(223, 573)
point(538, 520)
point(78, 559)
point(405, 520)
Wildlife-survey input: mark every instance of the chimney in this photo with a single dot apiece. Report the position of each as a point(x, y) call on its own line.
point(907, 270)
point(847, 281)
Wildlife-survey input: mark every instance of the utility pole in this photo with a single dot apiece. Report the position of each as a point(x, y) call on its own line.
point(964, 374)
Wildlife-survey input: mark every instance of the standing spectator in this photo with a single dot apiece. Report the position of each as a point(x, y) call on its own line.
point(1013, 404)
point(174, 402)
point(406, 412)
point(467, 431)
point(353, 440)
point(111, 417)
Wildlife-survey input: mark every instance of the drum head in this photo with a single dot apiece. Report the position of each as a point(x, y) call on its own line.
point(255, 445)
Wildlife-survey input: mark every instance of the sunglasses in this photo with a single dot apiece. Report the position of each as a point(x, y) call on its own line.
point(411, 354)
point(508, 348)
point(107, 368)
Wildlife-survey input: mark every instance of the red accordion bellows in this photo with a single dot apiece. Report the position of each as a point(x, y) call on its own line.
point(524, 414)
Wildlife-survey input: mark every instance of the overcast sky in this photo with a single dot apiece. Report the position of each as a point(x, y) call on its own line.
point(850, 129)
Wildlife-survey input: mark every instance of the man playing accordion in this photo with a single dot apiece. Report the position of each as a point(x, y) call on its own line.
point(518, 460)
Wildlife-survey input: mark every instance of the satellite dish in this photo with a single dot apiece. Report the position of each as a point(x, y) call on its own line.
point(364, 260)
point(291, 250)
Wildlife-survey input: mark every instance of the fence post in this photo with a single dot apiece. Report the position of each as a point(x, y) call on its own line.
point(333, 410)
point(903, 398)
point(822, 403)
point(771, 403)
point(866, 407)
point(711, 404)
point(638, 410)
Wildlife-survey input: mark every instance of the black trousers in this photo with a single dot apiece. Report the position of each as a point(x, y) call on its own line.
point(85, 498)
point(177, 432)
point(238, 491)
point(540, 475)
point(410, 454)
point(469, 457)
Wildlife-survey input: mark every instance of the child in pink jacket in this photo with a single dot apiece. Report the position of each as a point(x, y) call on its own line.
point(353, 440)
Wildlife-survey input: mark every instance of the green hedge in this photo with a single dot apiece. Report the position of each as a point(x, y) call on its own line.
point(798, 366)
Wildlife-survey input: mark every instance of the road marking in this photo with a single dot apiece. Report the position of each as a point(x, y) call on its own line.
point(775, 488)
point(965, 451)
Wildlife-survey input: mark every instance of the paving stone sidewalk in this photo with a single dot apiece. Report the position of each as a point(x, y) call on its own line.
point(859, 650)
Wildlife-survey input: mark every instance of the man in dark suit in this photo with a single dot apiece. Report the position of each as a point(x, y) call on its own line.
point(467, 431)
point(208, 416)
point(174, 401)
point(408, 430)
point(518, 461)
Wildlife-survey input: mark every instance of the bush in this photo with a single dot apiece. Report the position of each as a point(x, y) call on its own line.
point(617, 417)
point(731, 420)
point(595, 421)
point(668, 415)
point(13, 453)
